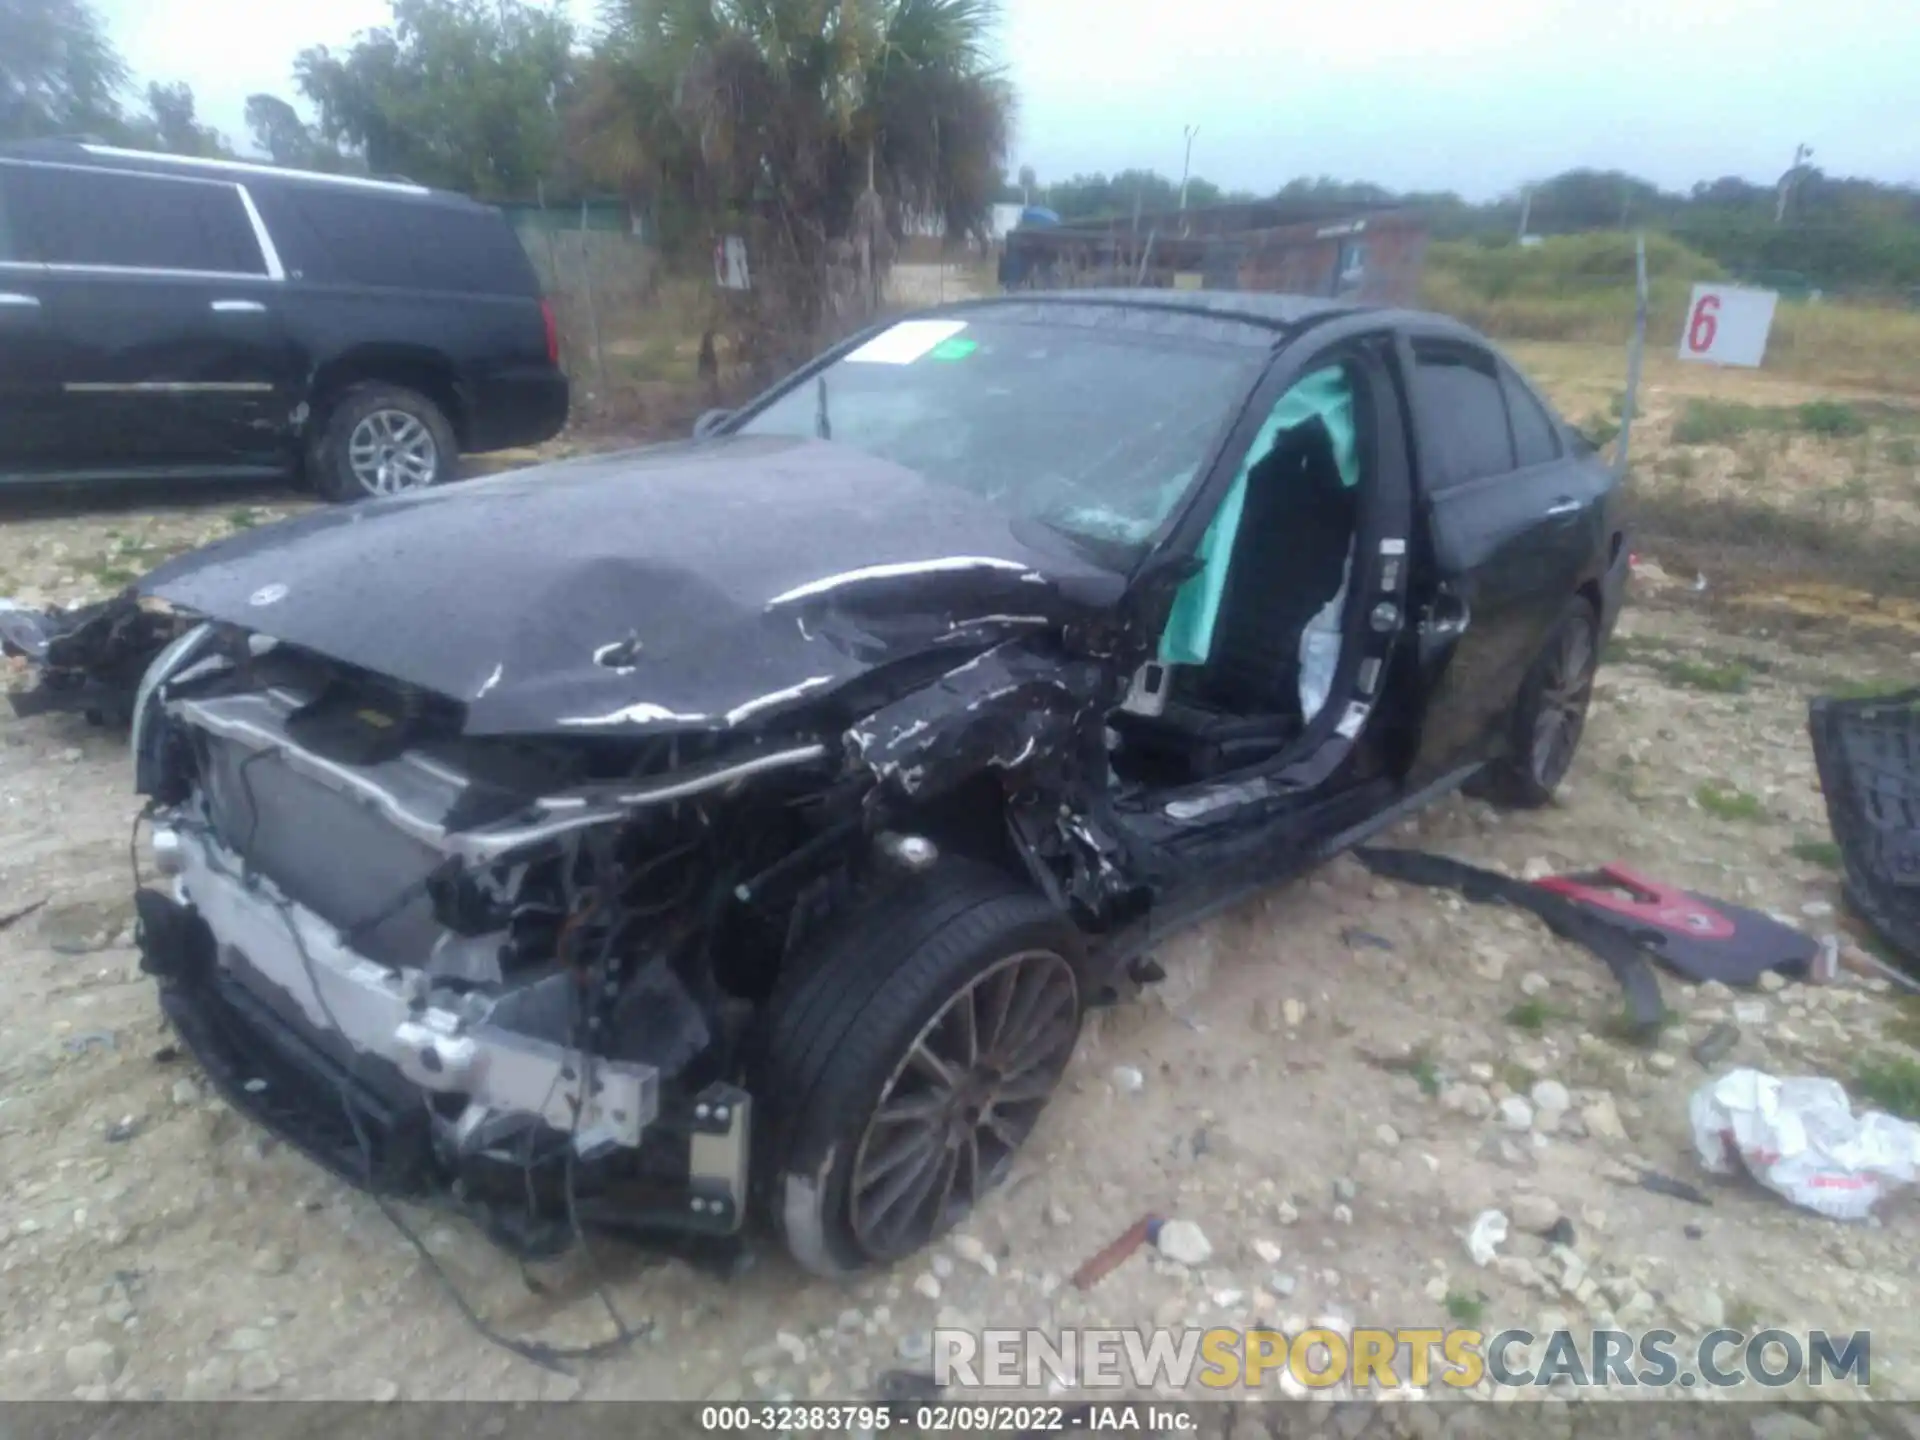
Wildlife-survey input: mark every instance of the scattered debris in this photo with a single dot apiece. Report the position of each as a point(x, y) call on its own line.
point(1658, 1184)
point(1800, 1138)
point(14, 917)
point(1618, 947)
point(1146, 1229)
point(1692, 935)
point(1713, 1046)
point(1358, 939)
point(1485, 1237)
point(87, 1040)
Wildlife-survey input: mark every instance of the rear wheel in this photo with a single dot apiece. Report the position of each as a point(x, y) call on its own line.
point(381, 440)
point(907, 1063)
point(1551, 713)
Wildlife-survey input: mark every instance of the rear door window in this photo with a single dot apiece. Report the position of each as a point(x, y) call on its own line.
point(75, 216)
point(1462, 414)
point(9, 247)
point(341, 236)
point(1536, 439)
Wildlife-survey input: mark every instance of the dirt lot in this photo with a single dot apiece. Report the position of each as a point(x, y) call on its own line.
point(1318, 1085)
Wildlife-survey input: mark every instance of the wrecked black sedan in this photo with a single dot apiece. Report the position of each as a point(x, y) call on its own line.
point(743, 826)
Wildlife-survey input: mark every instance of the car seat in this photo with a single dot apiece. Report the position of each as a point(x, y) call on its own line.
point(1289, 558)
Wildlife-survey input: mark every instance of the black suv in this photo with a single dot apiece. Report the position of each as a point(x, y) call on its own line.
point(164, 317)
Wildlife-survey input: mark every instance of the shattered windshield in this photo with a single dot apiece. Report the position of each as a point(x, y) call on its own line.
point(1095, 432)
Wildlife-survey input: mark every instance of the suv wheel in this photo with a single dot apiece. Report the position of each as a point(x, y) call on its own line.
point(381, 440)
point(907, 1061)
point(1551, 713)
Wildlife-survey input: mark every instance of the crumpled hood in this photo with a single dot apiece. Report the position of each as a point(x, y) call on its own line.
point(690, 585)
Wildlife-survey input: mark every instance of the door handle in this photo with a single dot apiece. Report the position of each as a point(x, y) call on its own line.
point(10, 300)
point(238, 307)
point(1562, 508)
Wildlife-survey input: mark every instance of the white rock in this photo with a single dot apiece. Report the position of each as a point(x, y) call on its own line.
point(384, 1392)
point(1058, 1214)
point(256, 1372)
point(1661, 1063)
point(1516, 1114)
point(1473, 1101)
point(1285, 1213)
point(1227, 1299)
point(93, 1363)
point(1550, 1095)
point(1386, 1135)
point(1538, 867)
point(971, 1249)
point(1700, 1308)
point(1183, 1241)
point(1534, 1212)
point(795, 1347)
point(185, 1092)
point(1534, 983)
point(1602, 1119)
point(1268, 1252)
point(1343, 1214)
point(1771, 980)
point(1126, 1079)
point(925, 1284)
point(941, 1266)
point(1750, 1012)
point(1785, 1425)
point(1294, 1012)
point(246, 1339)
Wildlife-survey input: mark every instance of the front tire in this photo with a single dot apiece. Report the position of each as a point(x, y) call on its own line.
point(1550, 715)
point(907, 1060)
point(381, 440)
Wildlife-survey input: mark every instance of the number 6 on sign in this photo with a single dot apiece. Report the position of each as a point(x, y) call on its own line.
point(1727, 325)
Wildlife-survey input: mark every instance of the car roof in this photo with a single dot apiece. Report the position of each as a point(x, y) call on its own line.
point(91, 154)
point(1270, 317)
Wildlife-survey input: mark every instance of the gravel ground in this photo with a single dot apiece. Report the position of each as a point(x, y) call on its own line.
point(1331, 1084)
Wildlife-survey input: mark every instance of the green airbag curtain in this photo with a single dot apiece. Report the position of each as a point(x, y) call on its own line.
point(1324, 394)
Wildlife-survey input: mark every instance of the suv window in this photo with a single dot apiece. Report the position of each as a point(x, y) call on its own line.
point(350, 237)
point(74, 216)
point(9, 249)
point(1463, 418)
point(1536, 438)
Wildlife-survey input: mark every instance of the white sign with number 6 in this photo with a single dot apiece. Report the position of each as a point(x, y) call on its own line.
point(1727, 325)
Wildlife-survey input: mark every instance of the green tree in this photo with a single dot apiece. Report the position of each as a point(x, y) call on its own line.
point(464, 94)
point(276, 128)
point(59, 73)
point(174, 126)
point(818, 128)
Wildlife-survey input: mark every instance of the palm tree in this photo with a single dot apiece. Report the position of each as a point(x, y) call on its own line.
point(817, 128)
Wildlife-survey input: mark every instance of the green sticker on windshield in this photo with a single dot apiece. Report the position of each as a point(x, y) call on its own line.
point(957, 348)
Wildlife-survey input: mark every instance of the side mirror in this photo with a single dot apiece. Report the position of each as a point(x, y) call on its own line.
point(710, 422)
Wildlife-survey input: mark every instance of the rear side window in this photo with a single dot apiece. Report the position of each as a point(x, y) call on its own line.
point(9, 248)
point(135, 222)
point(1536, 439)
point(352, 237)
point(1463, 418)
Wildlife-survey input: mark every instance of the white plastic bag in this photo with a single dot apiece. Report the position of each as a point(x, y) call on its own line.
point(1800, 1138)
point(1320, 647)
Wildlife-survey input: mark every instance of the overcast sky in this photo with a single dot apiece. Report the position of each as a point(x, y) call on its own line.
point(1476, 97)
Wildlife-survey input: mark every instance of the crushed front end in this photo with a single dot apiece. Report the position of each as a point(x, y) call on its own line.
point(511, 974)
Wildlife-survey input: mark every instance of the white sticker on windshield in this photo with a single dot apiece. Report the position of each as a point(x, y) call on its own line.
point(906, 342)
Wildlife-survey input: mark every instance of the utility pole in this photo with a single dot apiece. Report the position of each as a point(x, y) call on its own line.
point(1801, 154)
point(1186, 165)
